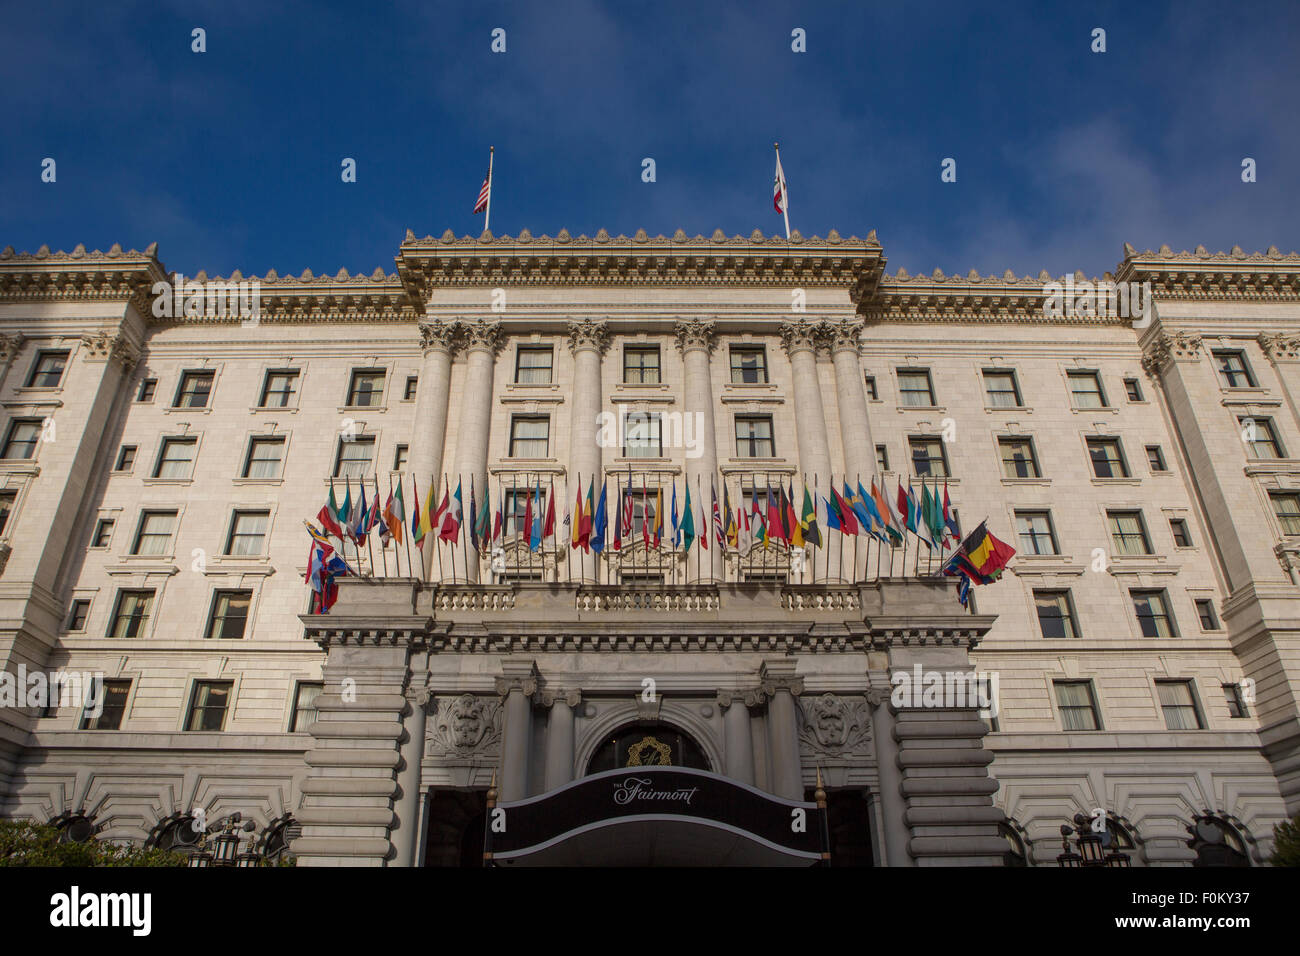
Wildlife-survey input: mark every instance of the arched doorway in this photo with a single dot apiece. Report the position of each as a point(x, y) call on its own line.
point(647, 744)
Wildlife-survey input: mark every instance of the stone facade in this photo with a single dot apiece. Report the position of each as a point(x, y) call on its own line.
point(440, 671)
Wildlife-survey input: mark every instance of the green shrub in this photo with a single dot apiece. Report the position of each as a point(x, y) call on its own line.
point(23, 843)
point(1286, 843)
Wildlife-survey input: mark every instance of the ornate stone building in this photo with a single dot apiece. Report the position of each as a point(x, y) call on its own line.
point(1145, 644)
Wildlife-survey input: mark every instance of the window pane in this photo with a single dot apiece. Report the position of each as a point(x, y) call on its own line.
point(48, 371)
point(529, 437)
point(177, 458)
point(229, 613)
point(247, 533)
point(1127, 533)
point(156, 529)
point(1232, 369)
point(132, 613)
point(1152, 614)
point(643, 439)
point(748, 366)
point(927, 457)
point(280, 389)
point(367, 388)
point(264, 457)
point(1001, 390)
point(1018, 459)
point(533, 366)
point(24, 434)
point(1036, 533)
point(355, 457)
point(914, 388)
point(1075, 702)
point(112, 708)
point(1287, 508)
point(195, 389)
point(304, 709)
point(1085, 387)
point(754, 437)
point(1055, 616)
point(1107, 462)
point(209, 709)
point(1179, 705)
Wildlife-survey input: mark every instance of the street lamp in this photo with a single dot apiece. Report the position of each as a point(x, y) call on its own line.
point(225, 845)
point(1091, 846)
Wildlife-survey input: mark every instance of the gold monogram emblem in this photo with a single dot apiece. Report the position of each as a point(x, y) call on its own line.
point(658, 754)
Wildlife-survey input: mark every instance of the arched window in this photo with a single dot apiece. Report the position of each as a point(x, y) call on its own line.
point(175, 832)
point(277, 836)
point(647, 745)
point(1217, 842)
point(74, 827)
point(1016, 854)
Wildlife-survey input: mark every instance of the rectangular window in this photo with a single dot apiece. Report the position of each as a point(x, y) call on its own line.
point(1286, 506)
point(399, 457)
point(928, 457)
point(304, 705)
point(354, 457)
point(1232, 368)
point(754, 436)
point(1107, 458)
point(115, 693)
point(1152, 609)
point(1133, 389)
point(195, 390)
point(748, 365)
point(1018, 459)
point(7, 499)
point(24, 435)
point(125, 458)
point(103, 533)
point(1128, 533)
point(1236, 700)
point(517, 509)
point(533, 365)
point(229, 614)
point(1261, 437)
point(643, 510)
point(643, 437)
point(1037, 536)
point(1179, 704)
point(641, 365)
point(48, 370)
point(882, 458)
point(248, 533)
point(265, 457)
point(1205, 612)
point(131, 615)
point(148, 388)
point(412, 386)
point(1077, 705)
point(78, 613)
point(1056, 614)
point(914, 387)
point(872, 393)
point(208, 705)
point(280, 388)
point(367, 388)
point(1182, 536)
point(530, 436)
point(176, 459)
point(1001, 388)
point(1156, 458)
point(155, 534)
point(1085, 389)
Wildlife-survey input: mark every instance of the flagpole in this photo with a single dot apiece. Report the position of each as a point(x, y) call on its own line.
point(460, 528)
point(551, 480)
point(785, 190)
point(487, 213)
point(383, 551)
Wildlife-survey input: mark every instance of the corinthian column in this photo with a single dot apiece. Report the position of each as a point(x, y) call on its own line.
point(587, 339)
point(437, 342)
point(851, 396)
point(483, 340)
point(800, 341)
point(1283, 351)
point(695, 341)
point(10, 346)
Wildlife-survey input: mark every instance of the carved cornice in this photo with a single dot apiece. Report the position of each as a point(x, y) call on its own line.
point(1280, 346)
point(482, 334)
point(1165, 348)
point(800, 335)
point(1202, 274)
point(80, 276)
point(437, 336)
point(589, 334)
point(694, 333)
point(969, 300)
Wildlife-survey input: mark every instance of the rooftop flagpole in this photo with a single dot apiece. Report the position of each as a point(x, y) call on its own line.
point(780, 185)
point(487, 215)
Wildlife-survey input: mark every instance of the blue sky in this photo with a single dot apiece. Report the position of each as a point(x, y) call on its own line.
point(231, 158)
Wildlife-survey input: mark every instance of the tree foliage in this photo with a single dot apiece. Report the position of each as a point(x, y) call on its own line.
point(1286, 843)
point(23, 843)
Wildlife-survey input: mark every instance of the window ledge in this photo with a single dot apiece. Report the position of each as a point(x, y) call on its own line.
point(1258, 390)
point(286, 409)
point(1116, 481)
point(922, 408)
point(765, 386)
point(238, 564)
point(1009, 408)
point(143, 568)
point(167, 481)
point(1026, 481)
point(181, 410)
point(525, 386)
point(532, 397)
point(35, 402)
point(352, 409)
point(1272, 466)
point(257, 481)
point(1110, 409)
point(38, 389)
point(19, 466)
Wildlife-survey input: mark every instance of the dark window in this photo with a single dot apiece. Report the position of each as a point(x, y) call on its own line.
point(1107, 458)
point(1182, 536)
point(1128, 533)
point(1078, 707)
point(125, 458)
point(208, 705)
point(147, 389)
point(367, 388)
point(280, 388)
point(1085, 387)
point(77, 615)
point(533, 365)
point(1260, 435)
point(354, 457)
point(131, 615)
point(882, 458)
point(1018, 459)
point(195, 390)
point(1001, 388)
point(530, 436)
point(48, 370)
point(748, 365)
point(248, 533)
point(928, 457)
point(1156, 458)
point(265, 457)
point(1056, 614)
point(24, 435)
point(1037, 536)
point(914, 387)
point(643, 437)
point(176, 459)
point(103, 533)
point(1205, 611)
point(1232, 368)
point(155, 534)
point(1179, 704)
point(7, 499)
point(399, 457)
point(642, 745)
point(754, 436)
point(412, 386)
point(229, 614)
point(641, 365)
point(517, 509)
point(1236, 700)
point(304, 705)
point(1152, 609)
point(644, 502)
point(1286, 506)
point(872, 393)
point(114, 694)
point(1133, 389)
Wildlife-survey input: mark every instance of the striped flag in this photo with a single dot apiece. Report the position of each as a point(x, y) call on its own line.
point(780, 197)
point(485, 191)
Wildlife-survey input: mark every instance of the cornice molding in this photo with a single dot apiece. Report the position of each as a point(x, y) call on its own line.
point(1202, 274)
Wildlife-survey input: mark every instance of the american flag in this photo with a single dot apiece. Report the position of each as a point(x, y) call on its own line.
point(484, 192)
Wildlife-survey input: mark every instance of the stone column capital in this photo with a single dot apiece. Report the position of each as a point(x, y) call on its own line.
point(1166, 348)
point(517, 675)
point(105, 346)
point(550, 696)
point(694, 333)
point(751, 697)
point(589, 334)
point(10, 346)
point(876, 697)
point(779, 674)
point(482, 335)
point(437, 336)
point(419, 698)
point(842, 335)
point(1280, 346)
point(800, 335)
